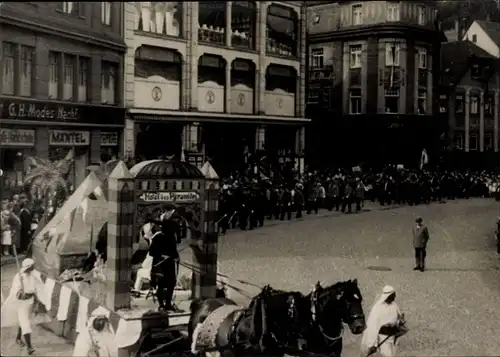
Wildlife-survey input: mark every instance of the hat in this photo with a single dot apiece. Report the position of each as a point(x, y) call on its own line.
point(26, 264)
point(418, 219)
point(388, 290)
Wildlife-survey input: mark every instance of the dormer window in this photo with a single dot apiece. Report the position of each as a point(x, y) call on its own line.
point(421, 15)
point(474, 38)
point(393, 11)
point(357, 15)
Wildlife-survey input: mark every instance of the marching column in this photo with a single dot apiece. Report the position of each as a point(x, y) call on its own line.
point(120, 237)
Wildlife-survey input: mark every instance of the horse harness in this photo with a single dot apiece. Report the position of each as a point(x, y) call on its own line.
point(208, 333)
point(329, 340)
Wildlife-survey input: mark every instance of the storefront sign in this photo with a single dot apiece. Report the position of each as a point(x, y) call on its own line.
point(17, 137)
point(169, 196)
point(26, 109)
point(69, 138)
point(109, 138)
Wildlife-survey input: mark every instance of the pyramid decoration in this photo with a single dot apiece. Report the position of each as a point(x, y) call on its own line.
point(209, 172)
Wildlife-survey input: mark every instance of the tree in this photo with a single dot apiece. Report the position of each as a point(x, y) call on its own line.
point(467, 12)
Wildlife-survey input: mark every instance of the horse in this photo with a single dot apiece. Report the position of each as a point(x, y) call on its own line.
point(330, 308)
point(272, 324)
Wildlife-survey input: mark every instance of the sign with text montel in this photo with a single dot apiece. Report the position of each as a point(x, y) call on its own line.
point(169, 197)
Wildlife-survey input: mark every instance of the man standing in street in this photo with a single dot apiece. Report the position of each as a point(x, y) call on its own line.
point(420, 239)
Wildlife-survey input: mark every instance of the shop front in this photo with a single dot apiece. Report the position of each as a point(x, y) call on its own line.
point(54, 131)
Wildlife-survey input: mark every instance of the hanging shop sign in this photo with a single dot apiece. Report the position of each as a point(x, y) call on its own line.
point(151, 197)
point(69, 138)
point(17, 137)
point(33, 110)
point(109, 138)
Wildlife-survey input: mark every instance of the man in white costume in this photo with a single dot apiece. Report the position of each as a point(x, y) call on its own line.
point(97, 338)
point(384, 326)
point(26, 289)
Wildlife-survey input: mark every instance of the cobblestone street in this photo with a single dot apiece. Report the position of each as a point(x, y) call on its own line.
point(452, 309)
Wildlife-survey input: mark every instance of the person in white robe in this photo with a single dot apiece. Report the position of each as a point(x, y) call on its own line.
point(17, 309)
point(384, 325)
point(97, 338)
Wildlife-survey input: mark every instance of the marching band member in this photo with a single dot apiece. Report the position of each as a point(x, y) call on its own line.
point(385, 324)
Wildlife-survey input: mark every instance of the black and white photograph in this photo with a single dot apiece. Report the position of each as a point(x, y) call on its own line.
point(250, 178)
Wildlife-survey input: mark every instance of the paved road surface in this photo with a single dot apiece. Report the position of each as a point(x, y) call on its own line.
point(453, 309)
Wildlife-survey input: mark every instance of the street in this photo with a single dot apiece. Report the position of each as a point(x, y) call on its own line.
point(452, 309)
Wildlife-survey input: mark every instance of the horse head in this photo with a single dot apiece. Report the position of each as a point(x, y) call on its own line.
point(341, 302)
point(279, 318)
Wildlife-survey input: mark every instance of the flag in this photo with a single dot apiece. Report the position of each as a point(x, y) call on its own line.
point(424, 159)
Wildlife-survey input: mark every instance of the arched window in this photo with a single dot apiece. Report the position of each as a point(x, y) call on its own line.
point(212, 68)
point(164, 18)
point(281, 30)
point(281, 77)
point(153, 61)
point(243, 19)
point(212, 21)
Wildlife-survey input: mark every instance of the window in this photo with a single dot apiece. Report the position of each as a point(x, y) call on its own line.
point(393, 11)
point(422, 102)
point(443, 103)
point(108, 83)
point(473, 142)
point(243, 24)
point(459, 104)
point(69, 7)
point(281, 30)
point(317, 58)
point(488, 142)
point(474, 105)
point(8, 70)
point(313, 96)
point(106, 12)
point(355, 101)
point(212, 21)
point(164, 18)
point(357, 15)
point(355, 61)
point(26, 70)
point(392, 100)
point(83, 78)
point(69, 77)
point(422, 58)
point(392, 51)
point(474, 38)
point(421, 15)
point(458, 141)
point(489, 106)
point(54, 63)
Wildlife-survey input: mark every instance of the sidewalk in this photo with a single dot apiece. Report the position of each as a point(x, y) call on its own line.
point(5, 260)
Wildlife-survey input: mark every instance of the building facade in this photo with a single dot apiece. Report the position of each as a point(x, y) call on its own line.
point(60, 84)
point(218, 80)
point(469, 101)
point(373, 72)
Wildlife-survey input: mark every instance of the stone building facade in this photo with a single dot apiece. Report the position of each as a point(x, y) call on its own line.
point(60, 84)
point(373, 72)
point(221, 79)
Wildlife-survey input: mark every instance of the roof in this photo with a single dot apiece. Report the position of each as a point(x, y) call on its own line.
point(166, 169)
point(456, 58)
point(492, 29)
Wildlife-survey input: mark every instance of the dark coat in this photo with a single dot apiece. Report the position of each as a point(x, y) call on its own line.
point(420, 236)
point(165, 244)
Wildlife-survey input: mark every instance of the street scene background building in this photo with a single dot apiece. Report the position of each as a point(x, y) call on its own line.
point(222, 80)
point(60, 85)
point(373, 75)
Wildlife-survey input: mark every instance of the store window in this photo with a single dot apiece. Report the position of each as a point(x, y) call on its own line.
point(8, 67)
point(212, 21)
point(243, 21)
point(392, 100)
point(161, 18)
point(110, 148)
point(282, 30)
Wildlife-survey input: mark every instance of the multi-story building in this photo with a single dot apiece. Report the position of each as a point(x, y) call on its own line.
point(60, 84)
point(219, 80)
point(469, 101)
point(372, 81)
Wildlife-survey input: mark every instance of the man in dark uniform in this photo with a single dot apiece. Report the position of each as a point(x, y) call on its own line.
point(420, 239)
point(163, 249)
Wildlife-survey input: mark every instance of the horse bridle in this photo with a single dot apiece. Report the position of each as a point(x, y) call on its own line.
point(314, 308)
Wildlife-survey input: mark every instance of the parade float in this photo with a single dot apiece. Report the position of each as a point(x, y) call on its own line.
point(89, 311)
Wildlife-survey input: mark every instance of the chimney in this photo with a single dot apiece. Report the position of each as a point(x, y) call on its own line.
point(458, 30)
point(488, 16)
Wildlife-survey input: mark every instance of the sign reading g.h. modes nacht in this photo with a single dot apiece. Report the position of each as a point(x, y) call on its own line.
point(33, 110)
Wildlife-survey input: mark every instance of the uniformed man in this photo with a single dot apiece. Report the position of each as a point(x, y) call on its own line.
point(163, 249)
point(420, 239)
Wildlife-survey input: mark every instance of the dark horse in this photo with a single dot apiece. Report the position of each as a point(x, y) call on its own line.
point(272, 324)
point(330, 308)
